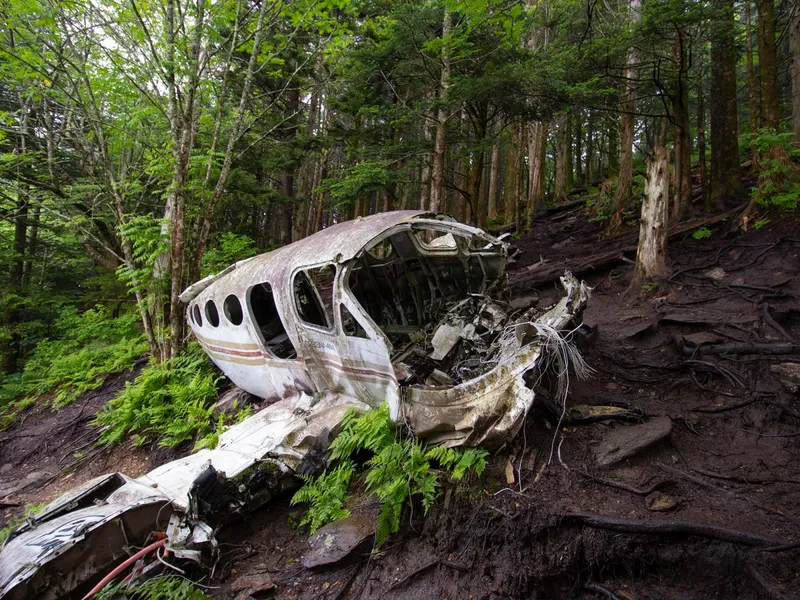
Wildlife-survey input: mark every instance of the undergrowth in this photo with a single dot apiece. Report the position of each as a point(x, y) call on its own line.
point(169, 403)
point(11, 524)
point(168, 587)
point(398, 470)
point(84, 349)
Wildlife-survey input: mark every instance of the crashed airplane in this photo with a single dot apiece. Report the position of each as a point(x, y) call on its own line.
point(407, 308)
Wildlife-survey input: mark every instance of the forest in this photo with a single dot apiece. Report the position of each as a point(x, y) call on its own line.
point(147, 144)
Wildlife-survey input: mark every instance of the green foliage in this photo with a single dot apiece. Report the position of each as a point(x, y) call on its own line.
point(325, 495)
point(397, 471)
point(168, 587)
point(229, 249)
point(650, 286)
point(702, 234)
point(85, 349)
point(11, 524)
point(168, 402)
point(760, 223)
point(778, 184)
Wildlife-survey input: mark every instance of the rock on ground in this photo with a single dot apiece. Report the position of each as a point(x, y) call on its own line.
point(336, 541)
point(624, 442)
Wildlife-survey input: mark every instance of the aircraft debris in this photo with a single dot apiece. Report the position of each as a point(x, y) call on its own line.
point(408, 309)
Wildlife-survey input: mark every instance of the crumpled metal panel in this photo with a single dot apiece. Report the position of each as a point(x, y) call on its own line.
point(489, 410)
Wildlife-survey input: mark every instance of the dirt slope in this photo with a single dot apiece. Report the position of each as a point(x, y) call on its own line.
point(730, 460)
point(729, 418)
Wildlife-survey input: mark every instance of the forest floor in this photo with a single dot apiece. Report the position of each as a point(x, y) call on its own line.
point(725, 477)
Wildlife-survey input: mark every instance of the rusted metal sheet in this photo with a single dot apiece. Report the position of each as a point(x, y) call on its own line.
point(407, 309)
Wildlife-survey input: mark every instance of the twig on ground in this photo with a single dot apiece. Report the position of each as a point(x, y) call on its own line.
point(425, 567)
point(741, 479)
point(704, 483)
point(596, 587)
point(624, 486)
point(773, 435)
point(721, 409)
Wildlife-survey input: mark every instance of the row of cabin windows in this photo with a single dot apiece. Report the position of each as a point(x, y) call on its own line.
point(313, 298)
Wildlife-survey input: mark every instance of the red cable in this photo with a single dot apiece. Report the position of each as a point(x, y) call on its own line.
point(128, 562)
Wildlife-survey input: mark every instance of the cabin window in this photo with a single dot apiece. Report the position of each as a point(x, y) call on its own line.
point(313, 295)
point(268, 321)
point(432, 239)
point(233, 310)
point(350, 324)
point(211, 314)
point(198, 320)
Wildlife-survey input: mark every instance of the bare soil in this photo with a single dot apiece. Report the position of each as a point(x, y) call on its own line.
point(731, 460)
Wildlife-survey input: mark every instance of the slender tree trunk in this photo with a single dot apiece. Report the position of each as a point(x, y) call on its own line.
point(512, 165)
point(628, 120)
point(425, 168)
point(794, 48)
point(33, 242)
point(563, 183)
point(701, 130)
point(591, 176)
point(725, 176)
point(751, 73)
point(235, 134)
point(537, 151)
point(494, 176)
point(651, 254)
point(522, 136)
point(437, 176)
point(683, 150)
point(767, 64)
point(578, 135)
point(475, 179)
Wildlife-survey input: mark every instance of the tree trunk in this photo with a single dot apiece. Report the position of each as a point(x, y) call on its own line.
point(590, 176)
point(767, 64)
point(794, 48)
point(437, 175)
point(628, 120)
point(494, 175)
point(522, 136)
point(651, 254)
point(425, 168)
point(537, 151)
point(563, 163)
point(512, 165)
point(682, 202)
point(751, 73)
point(725, 176)
point(579, 148)
point(701, 131)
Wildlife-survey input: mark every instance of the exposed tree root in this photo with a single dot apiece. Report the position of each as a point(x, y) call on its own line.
point(668, 527)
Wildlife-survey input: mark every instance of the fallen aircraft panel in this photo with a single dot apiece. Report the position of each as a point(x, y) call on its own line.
point(408, 309)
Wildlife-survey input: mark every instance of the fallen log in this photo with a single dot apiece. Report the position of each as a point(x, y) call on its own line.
point(669, 527)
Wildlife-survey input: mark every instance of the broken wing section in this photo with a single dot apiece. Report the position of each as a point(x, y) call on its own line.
point(489, 410)
point(88, 530)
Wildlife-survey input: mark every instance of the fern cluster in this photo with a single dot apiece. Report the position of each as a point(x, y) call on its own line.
point(170, 587)
point(398, 470)
point(87, 347)
point(168, 402)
